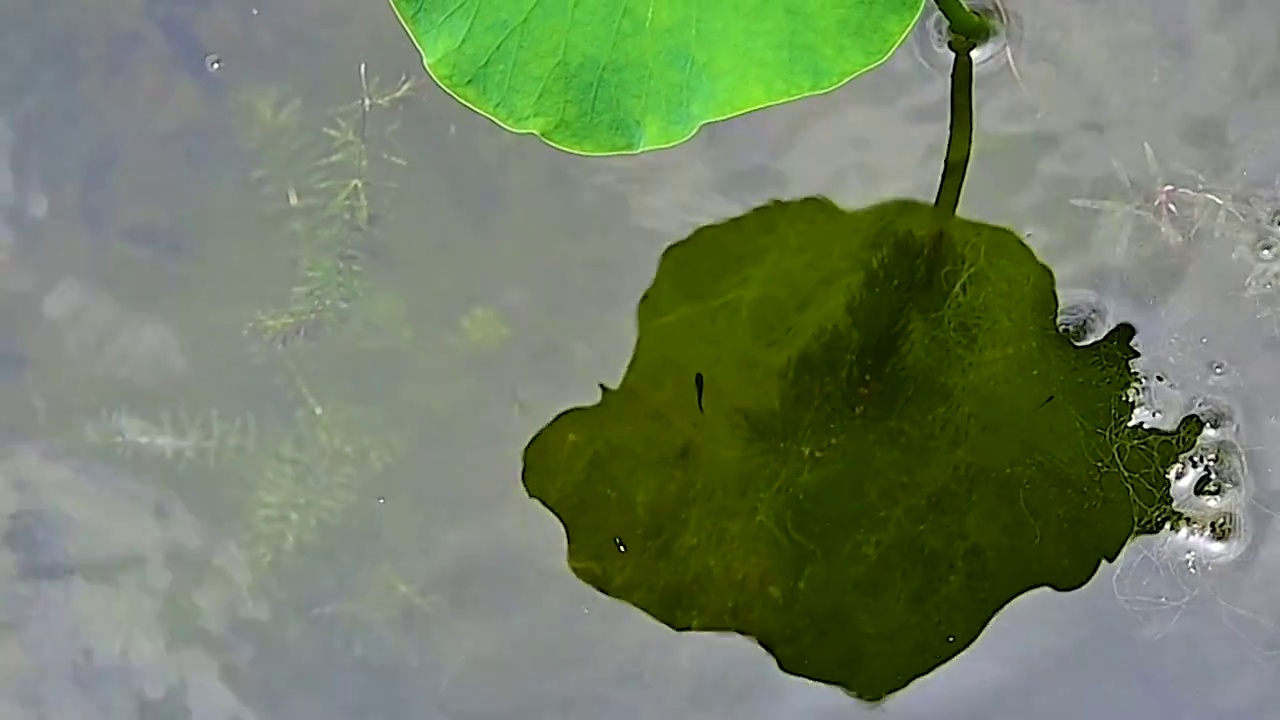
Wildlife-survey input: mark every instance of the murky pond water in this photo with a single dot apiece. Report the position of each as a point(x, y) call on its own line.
point(279, 316)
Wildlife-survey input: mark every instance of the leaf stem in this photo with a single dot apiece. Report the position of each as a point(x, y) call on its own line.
point(960, 135)
point(964, 22)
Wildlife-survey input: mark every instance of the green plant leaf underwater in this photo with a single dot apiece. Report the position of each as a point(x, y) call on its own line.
point(890, 441)
point(605, 77)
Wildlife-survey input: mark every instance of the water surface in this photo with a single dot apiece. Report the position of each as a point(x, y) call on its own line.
point(186, 253)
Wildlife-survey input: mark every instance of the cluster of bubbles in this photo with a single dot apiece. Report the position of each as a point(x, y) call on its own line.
point(1259, 245)
point(1209, 484)
point(1195, 559)
point(1194, 562)
point(1209, 488)
point(1194, 262)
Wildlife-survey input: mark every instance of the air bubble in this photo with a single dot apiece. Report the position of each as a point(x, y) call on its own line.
point(1260, 244)
point(1209, 478)
point(931, 34)
point(1203, 564)
point(1207, 541)
point(1211, 487)
point(1266, 248)
point(1218, 417)
point(1218, 368)
point(1150, 401)
point(1083, 319)
point(212, 62)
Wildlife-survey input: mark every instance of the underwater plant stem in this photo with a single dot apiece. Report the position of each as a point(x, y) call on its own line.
point(964, 22)
point(960, 135)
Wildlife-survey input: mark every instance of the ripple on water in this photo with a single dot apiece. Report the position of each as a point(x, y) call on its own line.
point(929, 38)
point(1083, 317)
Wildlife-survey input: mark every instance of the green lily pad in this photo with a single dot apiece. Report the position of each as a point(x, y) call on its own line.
point(606, 77)
point(894, 442)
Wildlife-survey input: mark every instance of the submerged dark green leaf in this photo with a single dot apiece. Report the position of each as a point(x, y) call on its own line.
point(900, 442)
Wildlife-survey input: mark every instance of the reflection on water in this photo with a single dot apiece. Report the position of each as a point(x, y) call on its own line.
point(1177, 242)
point(96, 556)
point(144, 272)
point(235, 212)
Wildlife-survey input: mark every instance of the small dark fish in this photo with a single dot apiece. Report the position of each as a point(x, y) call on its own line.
point(699, 384)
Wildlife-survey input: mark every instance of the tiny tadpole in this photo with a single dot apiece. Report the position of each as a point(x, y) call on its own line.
point(699, 384)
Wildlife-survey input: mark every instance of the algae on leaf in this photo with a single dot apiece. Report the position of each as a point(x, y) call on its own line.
point(607, 77)
point(895, 442)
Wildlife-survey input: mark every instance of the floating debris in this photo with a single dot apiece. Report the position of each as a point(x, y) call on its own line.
point(1156, 204)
